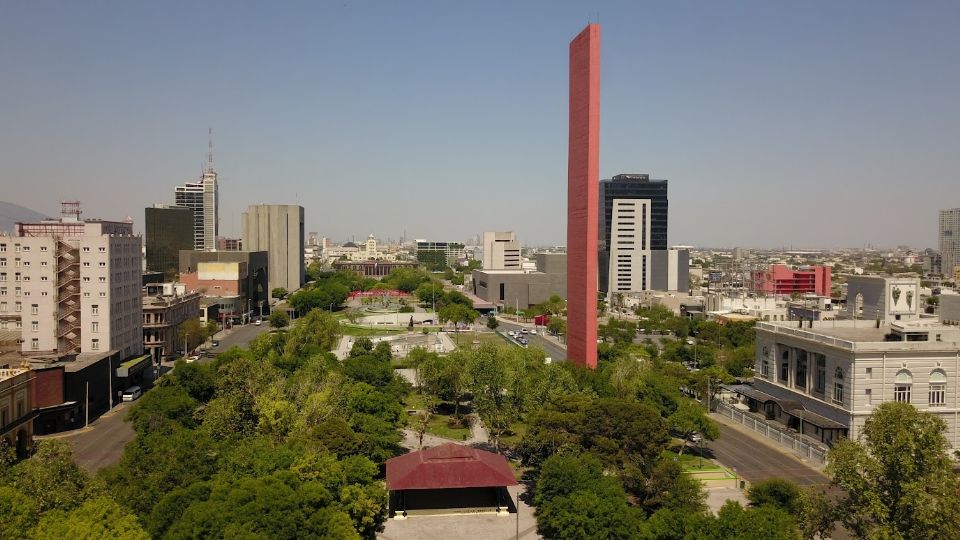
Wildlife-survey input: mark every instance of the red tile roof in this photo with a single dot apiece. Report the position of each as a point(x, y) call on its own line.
point(448, 466)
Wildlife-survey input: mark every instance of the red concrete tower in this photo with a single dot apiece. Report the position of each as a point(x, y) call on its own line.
point(583, 176)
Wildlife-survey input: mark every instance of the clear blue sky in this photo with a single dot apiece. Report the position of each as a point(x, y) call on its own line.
point(816, 123)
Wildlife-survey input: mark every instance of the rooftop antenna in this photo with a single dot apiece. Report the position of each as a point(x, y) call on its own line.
point(210, 149)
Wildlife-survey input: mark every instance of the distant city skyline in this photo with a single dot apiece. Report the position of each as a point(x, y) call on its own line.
point(810, 125)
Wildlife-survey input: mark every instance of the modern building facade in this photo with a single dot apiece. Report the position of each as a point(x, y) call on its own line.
point(229, 244)
point(521, 289)
point(501, 251)
point(633, 224)
point(203, 198)
point(277, 229)
point(440, 253)
point(949, 236)
point(74, 286)
point(583, 175)
point(165, 307)
point(780, 279)
point(167, 230)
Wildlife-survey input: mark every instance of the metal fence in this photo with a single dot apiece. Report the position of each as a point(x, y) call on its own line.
point(814, 453)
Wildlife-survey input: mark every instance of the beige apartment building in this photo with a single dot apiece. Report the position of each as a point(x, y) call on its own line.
point(165, 307)
point(72, 286)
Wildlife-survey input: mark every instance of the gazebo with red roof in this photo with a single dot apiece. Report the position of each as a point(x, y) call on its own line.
point(450, 477)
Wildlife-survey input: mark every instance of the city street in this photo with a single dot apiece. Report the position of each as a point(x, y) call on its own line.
point(101, 443)
point(555, 351)
point(754, 459)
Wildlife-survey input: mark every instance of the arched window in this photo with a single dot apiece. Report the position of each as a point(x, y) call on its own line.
point(838, 386)
point(902, 384)
point(938, 388)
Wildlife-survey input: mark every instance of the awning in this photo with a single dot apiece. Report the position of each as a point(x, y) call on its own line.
point(748, 391)
point(133, 365)
point(448, 466)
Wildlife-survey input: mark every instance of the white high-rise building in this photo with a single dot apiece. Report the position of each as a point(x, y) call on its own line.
point(202, 197)
point(501, 251)
point(950, 241)
point(72, 287)
point(277, 229)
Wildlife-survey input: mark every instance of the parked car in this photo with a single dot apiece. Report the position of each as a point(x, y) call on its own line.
point(215, 344)
point(523, 330)
point(696, 438)
point(131, 394)
point(257, 322)
point(533, 332)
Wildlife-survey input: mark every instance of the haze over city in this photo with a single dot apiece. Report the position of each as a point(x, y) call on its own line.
point(817, 124)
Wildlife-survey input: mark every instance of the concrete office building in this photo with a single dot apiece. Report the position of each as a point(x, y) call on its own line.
point(501, 251)
point(879, 298)
point(583, 175)
point(73, 285)
point(203, 198)
point(633, 225)
point(950, 308)
point(277, 229)
point(949, 236)
point(167, 230)
point(522, 288)
point(781, 279)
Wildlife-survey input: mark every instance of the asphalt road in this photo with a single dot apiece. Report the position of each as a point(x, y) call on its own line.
point(101, 443)
point(755, 460)
point(557, 353)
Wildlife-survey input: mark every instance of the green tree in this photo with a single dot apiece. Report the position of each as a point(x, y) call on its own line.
point(492, 322)
point(733, 522)
point(279, 293)
point(18, 514)
point(279, 319)
point(575, 500)
point(898, 479)
point(778, 492)
point(96, 518)
point(317, 331)
point(557, 326)
point(689, 418)
point(490, 380)
point(458, 314)
point(52, 479)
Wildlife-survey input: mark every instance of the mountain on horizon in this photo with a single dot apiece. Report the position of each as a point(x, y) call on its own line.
point(11, 213)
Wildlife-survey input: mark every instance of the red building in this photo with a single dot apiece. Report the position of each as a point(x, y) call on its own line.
point(583, 176)
point(781, 279)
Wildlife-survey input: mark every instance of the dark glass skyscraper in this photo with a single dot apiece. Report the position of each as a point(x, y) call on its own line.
point(631, 186)
point(168, 229)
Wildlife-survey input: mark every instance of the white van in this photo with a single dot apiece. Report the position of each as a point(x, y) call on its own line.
point(131, 394)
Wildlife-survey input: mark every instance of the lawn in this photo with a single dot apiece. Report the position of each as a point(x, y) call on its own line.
point(517, 431)
point(691, 462)
point(440, 426)
point(416, 400)
point(467, 339)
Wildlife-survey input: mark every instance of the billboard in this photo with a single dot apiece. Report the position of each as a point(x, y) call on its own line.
point(903, 296)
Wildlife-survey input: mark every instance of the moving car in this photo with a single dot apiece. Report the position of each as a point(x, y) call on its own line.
point(131, 394)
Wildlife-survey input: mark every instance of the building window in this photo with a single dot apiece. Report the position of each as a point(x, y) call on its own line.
point(35, 344)
point(801, 371)
point(95, 344)
point(95, 327)
point(785, 365)
point(765, 368)
point(86, 249)
point(18, 307)
point(86, 264)
point(103, 279)
point(34, 308)
point(838, 386)
point(938, 388)
point(821, 383)
point(95, 309)
point(34, 326)
point(869, 393)
point(103, 294)
point(902, 384)
point(43, 248)
point(102, 250)
point(43, 263)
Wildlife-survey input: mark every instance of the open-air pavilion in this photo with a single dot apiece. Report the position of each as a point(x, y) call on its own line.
point(449, 479)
